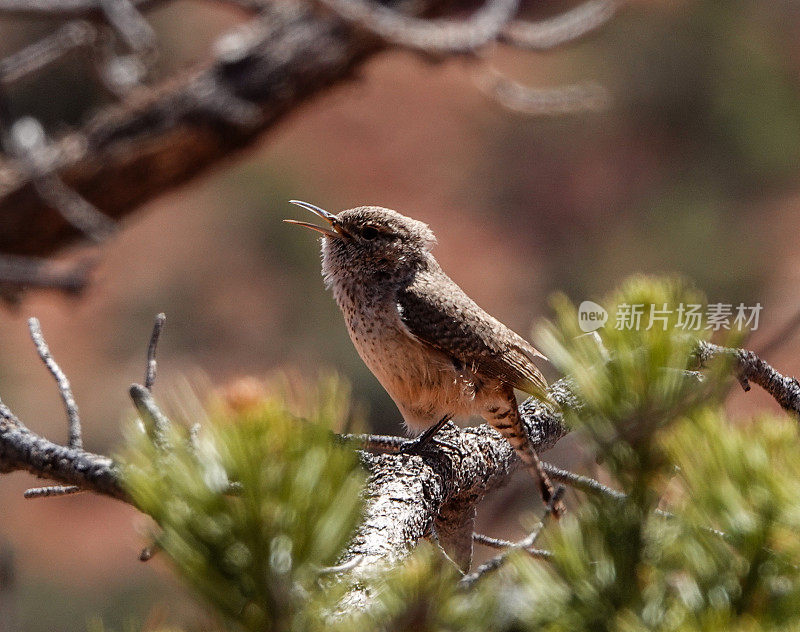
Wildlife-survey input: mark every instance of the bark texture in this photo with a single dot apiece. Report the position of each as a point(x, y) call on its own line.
point(435, 494)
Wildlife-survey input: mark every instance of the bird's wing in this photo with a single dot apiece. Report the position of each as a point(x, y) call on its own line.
point(438, 313)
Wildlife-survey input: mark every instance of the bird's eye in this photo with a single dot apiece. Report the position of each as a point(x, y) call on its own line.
point(369, 232)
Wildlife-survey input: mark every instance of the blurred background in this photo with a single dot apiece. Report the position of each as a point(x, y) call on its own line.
point(693, 170)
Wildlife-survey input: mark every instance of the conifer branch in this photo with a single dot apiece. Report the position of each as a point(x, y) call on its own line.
point(409, 497)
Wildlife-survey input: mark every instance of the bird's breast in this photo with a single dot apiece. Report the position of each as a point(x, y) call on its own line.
point(424, 382)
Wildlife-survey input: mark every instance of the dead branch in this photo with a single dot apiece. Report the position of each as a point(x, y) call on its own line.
point(445, 36)
point(52, 490)
point(73, 35)
point(159, 137)
point(537, 101)
point(526, 544)
point(562, 29)
point(22, 272)
point(751, 368)
point(23, 450)
point(132, 152)
point(75, 439)
point(152, 366)
point(405, 494)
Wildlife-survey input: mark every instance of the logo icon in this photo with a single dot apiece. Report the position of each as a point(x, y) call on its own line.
point(591, 316)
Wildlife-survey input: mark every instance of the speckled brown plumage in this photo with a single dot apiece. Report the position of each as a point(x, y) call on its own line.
point(438, 312)
point(431, 347)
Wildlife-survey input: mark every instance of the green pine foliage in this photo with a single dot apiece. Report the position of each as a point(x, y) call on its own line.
point(704, 539)
point(252, 552)
point(423, 595)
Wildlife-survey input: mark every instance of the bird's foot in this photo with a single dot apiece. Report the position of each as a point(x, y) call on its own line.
point(416, 445)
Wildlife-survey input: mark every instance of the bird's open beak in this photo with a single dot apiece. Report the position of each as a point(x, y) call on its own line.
point(337, 231)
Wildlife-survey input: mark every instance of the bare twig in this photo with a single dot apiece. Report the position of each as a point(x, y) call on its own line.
point(487, 567)
point(78, 211)
point(526, 544)
point(41, 273)
point(495, 543)
point(444, 36)
point(591, 486)
point(562, 29)
point(42, 53)
point(568, 99)
point(540, 554)
point(382, 444)
point(750, 368)
point(132, 28)
point(150, 372)
point(75, 440)
point(156, 422)
point(52, 490)
point(582, 483)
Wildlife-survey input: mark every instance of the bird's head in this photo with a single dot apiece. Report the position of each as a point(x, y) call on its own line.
point(369, 241)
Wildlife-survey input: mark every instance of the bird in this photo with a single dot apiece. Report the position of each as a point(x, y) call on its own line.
point(434, 350)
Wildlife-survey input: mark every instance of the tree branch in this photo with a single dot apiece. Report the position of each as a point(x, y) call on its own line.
point(75, 439)
point(537, 101)
point(21, 449)
point(526, 544)
point(129, 153)
point(562, 29)
point(20, 272)
point(445, 36)
point(163, 136)
point(750, 368)
point(406, 494)
point(433, 494)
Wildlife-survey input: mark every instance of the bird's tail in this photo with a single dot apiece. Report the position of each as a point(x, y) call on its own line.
point(506, 420)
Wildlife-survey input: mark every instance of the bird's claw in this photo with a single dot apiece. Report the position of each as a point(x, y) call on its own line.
point(415, 446)
point(412, 447)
